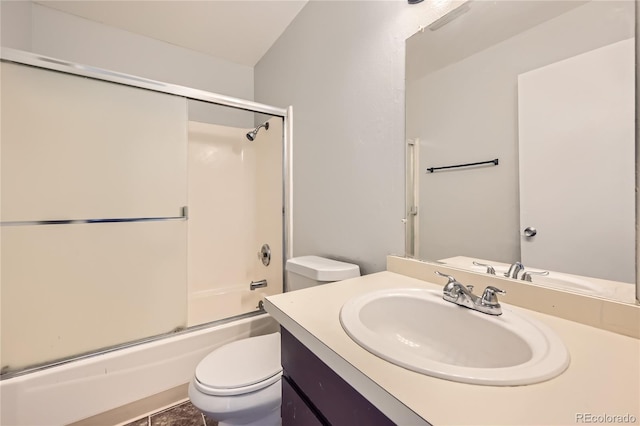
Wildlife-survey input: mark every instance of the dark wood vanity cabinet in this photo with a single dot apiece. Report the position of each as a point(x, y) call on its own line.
point(313, 394)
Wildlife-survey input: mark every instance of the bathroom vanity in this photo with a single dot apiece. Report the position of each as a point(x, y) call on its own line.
point(329, 378)
point(313, 394)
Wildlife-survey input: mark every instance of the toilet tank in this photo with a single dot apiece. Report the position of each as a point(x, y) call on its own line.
point(309, 271)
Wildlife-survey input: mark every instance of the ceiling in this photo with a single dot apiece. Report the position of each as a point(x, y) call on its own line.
point(239, 31)
point(480, 25)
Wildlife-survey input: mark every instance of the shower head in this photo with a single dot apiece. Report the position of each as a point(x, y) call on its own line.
point(252, 134)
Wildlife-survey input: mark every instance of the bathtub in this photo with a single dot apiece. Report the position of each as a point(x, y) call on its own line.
point(93, 385)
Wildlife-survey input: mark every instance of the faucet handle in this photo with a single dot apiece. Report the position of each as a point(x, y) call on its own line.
point(449, 277)
point(526, 276)
point(490, 269)
point(452, 282)
point(451, 287)
point(489, 296)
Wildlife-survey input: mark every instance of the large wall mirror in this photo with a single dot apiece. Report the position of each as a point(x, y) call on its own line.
point(521, 146)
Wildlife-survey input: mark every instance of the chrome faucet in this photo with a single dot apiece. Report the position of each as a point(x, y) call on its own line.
point(514, 270)
point(456, 292)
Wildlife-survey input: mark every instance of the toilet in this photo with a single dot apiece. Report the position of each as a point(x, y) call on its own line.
point(239, 383)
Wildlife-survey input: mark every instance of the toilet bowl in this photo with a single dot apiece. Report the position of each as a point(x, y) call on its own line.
point(240, 383)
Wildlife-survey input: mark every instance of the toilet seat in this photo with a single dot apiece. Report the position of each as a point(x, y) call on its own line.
point(214, 391)
point(240, 367)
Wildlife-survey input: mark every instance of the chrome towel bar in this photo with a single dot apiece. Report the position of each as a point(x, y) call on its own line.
point(433, 169)
point(183, 216)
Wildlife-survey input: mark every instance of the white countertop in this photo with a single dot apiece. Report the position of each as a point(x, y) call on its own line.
point(602, 379)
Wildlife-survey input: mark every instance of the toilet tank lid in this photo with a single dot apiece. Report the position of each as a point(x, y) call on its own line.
point(322, 269)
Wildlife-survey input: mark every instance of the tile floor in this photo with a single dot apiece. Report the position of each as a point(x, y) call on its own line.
point(183, 414)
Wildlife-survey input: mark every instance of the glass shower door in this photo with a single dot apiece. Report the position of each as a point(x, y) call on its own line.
point(128, 214)
point(93, 237)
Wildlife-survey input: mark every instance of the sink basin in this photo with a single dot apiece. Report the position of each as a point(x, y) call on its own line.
point(418, 330)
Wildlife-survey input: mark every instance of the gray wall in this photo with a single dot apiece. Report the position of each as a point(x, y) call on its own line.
point(341, 66)
point(15, 24)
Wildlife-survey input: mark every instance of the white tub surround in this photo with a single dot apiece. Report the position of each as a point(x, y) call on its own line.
point(68, 391)
point(604, 366)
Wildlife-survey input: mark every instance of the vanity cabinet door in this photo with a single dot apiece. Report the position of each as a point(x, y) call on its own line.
point(330, 395)
point(295, 411)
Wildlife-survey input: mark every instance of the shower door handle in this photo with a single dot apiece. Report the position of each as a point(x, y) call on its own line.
point(257, 284)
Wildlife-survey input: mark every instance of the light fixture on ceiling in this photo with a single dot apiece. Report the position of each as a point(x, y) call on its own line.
point(444, 20)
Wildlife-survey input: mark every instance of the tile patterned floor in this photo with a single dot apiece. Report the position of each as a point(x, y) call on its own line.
point(183, 414)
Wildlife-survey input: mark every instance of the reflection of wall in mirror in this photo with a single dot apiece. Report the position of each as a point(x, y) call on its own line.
point(466, 112)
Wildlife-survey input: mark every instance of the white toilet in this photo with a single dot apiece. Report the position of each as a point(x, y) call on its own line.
point(239, 383)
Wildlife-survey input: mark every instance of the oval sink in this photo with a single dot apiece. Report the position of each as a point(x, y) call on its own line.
point(418, 330)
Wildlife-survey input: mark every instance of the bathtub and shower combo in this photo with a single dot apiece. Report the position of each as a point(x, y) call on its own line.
point(142, 224)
